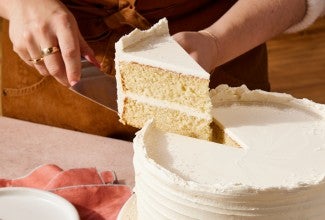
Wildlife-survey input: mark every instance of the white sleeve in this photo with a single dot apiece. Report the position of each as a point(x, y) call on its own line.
point(315, 9)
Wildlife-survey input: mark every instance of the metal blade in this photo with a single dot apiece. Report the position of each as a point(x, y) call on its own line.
point(97, 86)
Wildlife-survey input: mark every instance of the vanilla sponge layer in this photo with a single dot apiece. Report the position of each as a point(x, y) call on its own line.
point(137, 114)
point(166, 85)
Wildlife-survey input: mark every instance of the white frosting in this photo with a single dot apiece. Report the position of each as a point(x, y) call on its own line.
point(174, 106)
point(277, 174)
point(155, 47)
point(315, 9)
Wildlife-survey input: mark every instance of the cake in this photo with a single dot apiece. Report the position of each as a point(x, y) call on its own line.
point(269, 162)
point(156, 78)
point(271, 166)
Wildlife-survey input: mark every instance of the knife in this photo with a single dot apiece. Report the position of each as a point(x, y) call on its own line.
point(96, 86)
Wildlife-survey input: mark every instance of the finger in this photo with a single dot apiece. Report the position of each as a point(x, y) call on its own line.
point(55, 65)
point(70, 49)
point(182, 38)
point(53, 61)
point(36, 56)
point(46, 38)
point(22, 52)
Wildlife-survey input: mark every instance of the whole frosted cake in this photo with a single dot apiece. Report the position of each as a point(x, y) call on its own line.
point(156, 78)
point(276, 171)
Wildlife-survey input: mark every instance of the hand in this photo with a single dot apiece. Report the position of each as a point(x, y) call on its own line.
point(39, 24)
point(201, 46)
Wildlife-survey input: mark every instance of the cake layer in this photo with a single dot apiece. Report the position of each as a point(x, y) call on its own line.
point(165, 85)
point(277, 173)
point(137, 113)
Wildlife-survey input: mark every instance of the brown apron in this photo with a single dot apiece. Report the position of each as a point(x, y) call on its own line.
point(29, 96)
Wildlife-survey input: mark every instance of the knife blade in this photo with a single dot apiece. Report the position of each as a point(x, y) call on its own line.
point(96, 86)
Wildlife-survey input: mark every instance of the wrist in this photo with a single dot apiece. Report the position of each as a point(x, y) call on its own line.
point(214, 46)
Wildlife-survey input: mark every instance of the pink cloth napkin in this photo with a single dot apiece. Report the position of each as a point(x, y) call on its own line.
point(96, 196)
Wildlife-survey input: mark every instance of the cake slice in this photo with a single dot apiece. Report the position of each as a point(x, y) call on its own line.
point(157, 79)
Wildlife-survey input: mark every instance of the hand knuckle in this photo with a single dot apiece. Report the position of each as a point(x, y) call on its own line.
point(73, 74)
point(15, 48)
point(27, 36)
point(42, 72)
point(63, 18)
point(70, 52)
point(19, 48)
point(54, 70)
point(42, 28)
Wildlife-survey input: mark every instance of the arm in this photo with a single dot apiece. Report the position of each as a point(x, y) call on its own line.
point(246, 25)
point(38, 24)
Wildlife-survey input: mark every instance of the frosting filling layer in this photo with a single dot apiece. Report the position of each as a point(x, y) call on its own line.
point(166, 104)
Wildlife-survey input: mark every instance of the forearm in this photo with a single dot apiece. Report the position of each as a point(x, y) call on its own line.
point(250, 23)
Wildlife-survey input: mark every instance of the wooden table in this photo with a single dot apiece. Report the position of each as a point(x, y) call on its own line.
point(25, 146)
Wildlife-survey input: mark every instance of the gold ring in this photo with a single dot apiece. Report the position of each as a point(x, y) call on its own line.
point(49, 50)
point(36, 60)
